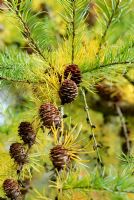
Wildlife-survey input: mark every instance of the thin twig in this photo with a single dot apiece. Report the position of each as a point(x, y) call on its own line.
point(123, 123)
point(107, 27)
point(97, 189)
point(129, 79)
point(109, 65)
point(96, 145)
point(73, 31)
point(117, 63)
point(14, 80)
point(20, 81)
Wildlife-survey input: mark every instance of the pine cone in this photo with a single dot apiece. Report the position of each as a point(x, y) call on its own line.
point(108, 93)
point(68, 91)
point(18, 153)
point(75, 73)
point(12, 189)
point(50, 115)
point(60, 157)
point(27, 133)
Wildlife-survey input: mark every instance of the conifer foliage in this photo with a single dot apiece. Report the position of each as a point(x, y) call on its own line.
point(66, 70)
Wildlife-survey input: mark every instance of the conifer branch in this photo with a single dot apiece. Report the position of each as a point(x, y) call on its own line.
point(99, 189)
point(101, 66)
point(73, 30)
point(20, 81)
point(109, 22)
point(123, 124)
point(27, 34)
point(96, 145)
point(117, 63)
point(13, 80)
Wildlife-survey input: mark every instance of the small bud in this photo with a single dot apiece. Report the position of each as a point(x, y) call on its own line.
point(93, 126)
point(65, 116)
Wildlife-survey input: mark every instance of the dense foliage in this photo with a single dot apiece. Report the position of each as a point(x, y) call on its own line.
point(66, 99)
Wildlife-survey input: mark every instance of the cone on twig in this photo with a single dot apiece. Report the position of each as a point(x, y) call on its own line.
point(18, 153)
point(74, 72)
point(60, 157)
point(50, 115)
point(12, 189)
point(68, 91)
point(108, 92)
point(27, 133)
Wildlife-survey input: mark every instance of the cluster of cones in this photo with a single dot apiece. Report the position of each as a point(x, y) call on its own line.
point(50, 117)
point(19, 153)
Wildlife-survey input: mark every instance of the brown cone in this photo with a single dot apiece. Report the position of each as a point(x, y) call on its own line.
point(50, 115)
point(18, 153)
point(59, 157)
point(27, 133)
point(12, 189)
point(68, 91)
point(108, 93)
point(75, 73)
